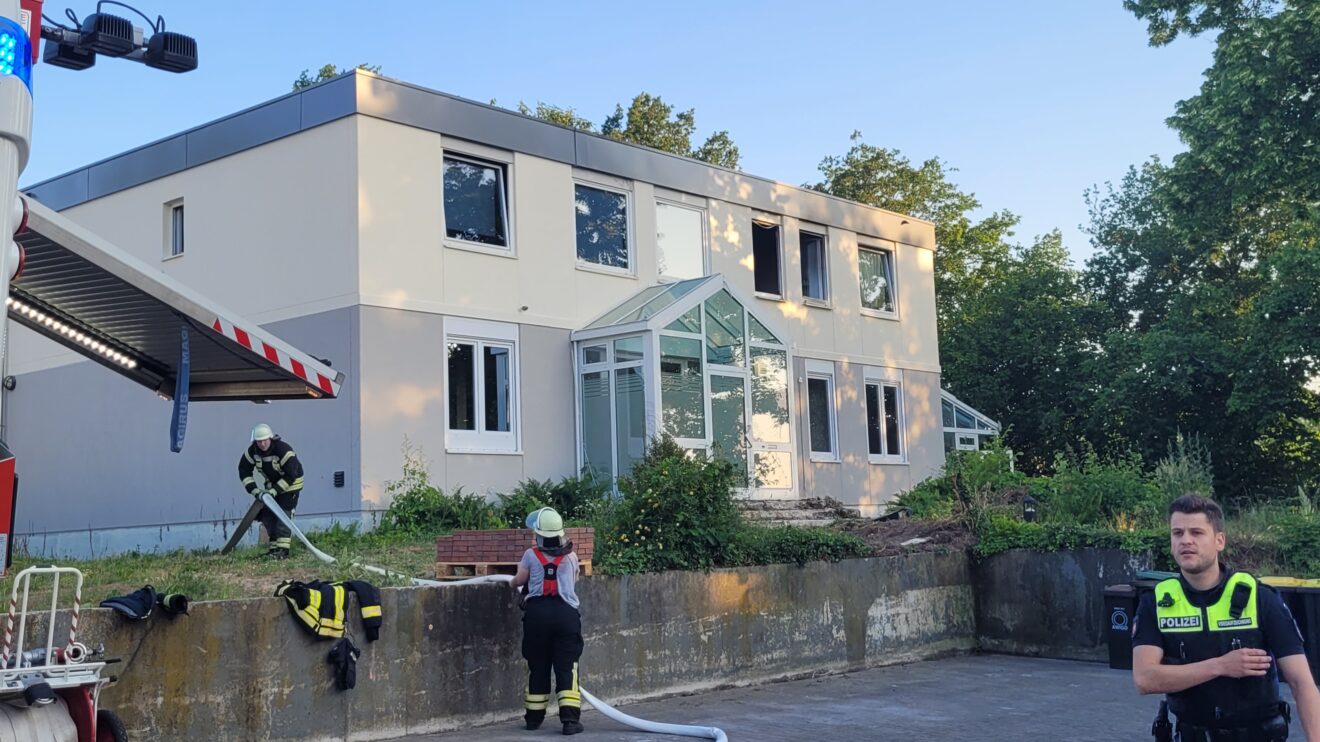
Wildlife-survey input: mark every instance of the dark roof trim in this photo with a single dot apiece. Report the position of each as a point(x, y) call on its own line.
point(363, 93)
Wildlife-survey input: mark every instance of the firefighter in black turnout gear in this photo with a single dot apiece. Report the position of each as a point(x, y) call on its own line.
point(283, 475)
point(552, 627)
point(1217, 641)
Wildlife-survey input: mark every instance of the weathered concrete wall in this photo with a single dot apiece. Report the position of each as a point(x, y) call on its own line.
point(449, 657)
point(1048, 605)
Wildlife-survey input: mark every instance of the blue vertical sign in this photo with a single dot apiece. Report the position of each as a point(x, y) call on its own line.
point(179, 421)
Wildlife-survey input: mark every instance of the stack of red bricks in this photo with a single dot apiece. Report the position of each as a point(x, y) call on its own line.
point(469, 553)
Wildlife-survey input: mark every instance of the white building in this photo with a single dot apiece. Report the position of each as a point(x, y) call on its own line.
point(515, 298)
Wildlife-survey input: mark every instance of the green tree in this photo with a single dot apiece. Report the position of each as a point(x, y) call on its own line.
point(1017, 328)
point(1207, 267)
point(969, 253)
point(1024, 349)
point(650, 121)
point(328, 72)
point(556, 115)
point(1166, 19)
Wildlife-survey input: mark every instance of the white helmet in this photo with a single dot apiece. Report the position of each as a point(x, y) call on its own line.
point(262, 432)
point(546, 523)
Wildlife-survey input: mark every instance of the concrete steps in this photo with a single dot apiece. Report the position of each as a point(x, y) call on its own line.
point(814, 512)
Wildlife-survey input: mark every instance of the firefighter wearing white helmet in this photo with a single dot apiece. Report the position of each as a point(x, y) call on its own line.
point(552, 626)
point(283, 475)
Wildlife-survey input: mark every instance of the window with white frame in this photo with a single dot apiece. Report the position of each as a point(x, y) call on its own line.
point(875, 270)
point(822, 427)
point(680, 241)
point(174, 232)
point(602, 227)
point(481, 378)
point(476, 201)
point(815, 266)
point(965, 429)
point(884, 416)
point(765, 259)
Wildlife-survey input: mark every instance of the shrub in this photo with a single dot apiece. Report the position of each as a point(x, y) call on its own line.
point(1002, 533)
point(676, 511)
point(577, 499)
point(794, 545)
point(527, 496)
point(1186, 468)
point(419, 508)
point(1088, 490)
point(970, 482)
point(1298, 540)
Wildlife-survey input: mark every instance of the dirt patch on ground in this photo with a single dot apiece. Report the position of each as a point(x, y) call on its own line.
point(887, 537)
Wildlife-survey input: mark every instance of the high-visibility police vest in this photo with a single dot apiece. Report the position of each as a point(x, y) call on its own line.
point(1193, 634)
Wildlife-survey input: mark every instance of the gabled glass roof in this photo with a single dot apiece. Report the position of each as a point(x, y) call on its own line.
point(958, 414)
point(688, 306)
point(648, 302)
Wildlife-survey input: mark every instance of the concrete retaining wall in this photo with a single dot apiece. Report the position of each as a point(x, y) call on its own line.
point(1049, 605)
point(449, 657)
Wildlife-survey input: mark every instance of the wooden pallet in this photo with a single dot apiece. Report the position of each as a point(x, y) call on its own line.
point(463, 571)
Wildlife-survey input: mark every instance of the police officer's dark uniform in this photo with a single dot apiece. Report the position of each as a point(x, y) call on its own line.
point(1195, 625)
point(552, 626)
point(283, 473)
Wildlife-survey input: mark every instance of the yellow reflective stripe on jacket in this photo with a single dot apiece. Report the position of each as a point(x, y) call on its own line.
point(1220, 617)
point(311, 613)
point(285, 458)
point(296, 484)
point(1174, 613)
point(371, 611)
point(334, 625)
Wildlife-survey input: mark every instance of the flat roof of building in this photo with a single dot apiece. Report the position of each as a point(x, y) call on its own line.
point(363, 93)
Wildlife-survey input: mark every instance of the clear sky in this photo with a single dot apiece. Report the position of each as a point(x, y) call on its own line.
point(1032, 101)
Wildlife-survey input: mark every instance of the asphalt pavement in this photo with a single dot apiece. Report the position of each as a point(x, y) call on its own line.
point(985, 697)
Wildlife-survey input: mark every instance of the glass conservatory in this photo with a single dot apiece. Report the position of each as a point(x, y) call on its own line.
point(965, 429)
point(694, 361)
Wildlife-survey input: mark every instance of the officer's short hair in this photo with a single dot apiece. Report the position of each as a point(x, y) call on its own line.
point(1193, 503)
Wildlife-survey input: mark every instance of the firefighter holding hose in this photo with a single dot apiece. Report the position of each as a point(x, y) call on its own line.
point(552, 626)
point(283, 474)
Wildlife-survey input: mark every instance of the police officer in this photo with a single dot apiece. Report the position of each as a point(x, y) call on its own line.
point(552, 627)
point(283, 473)
point(1217, 641)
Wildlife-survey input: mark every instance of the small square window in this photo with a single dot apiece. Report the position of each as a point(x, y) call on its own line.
point(815, 268)
point(476, 202)
point(876, 276)
point(765, 258)
point(602, 227)
point(594, 354)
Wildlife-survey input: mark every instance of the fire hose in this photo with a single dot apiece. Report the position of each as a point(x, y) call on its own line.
point(682, 730)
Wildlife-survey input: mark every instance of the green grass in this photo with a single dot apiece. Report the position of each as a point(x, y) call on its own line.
point(243, 573)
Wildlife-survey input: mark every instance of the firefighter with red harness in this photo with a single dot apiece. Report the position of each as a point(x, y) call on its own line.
point(552, 627)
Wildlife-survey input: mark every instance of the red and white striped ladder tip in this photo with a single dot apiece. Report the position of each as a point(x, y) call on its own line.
point(275, 355)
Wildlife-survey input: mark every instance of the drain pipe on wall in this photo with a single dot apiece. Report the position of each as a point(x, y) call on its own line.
point(682, 730)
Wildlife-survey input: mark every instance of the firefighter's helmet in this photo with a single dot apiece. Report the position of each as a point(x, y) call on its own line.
point(546, 523)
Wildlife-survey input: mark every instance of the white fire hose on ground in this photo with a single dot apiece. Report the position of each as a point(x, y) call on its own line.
point(682, 730)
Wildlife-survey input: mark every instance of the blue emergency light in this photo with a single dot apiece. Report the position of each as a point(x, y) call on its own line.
point(15, 52)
